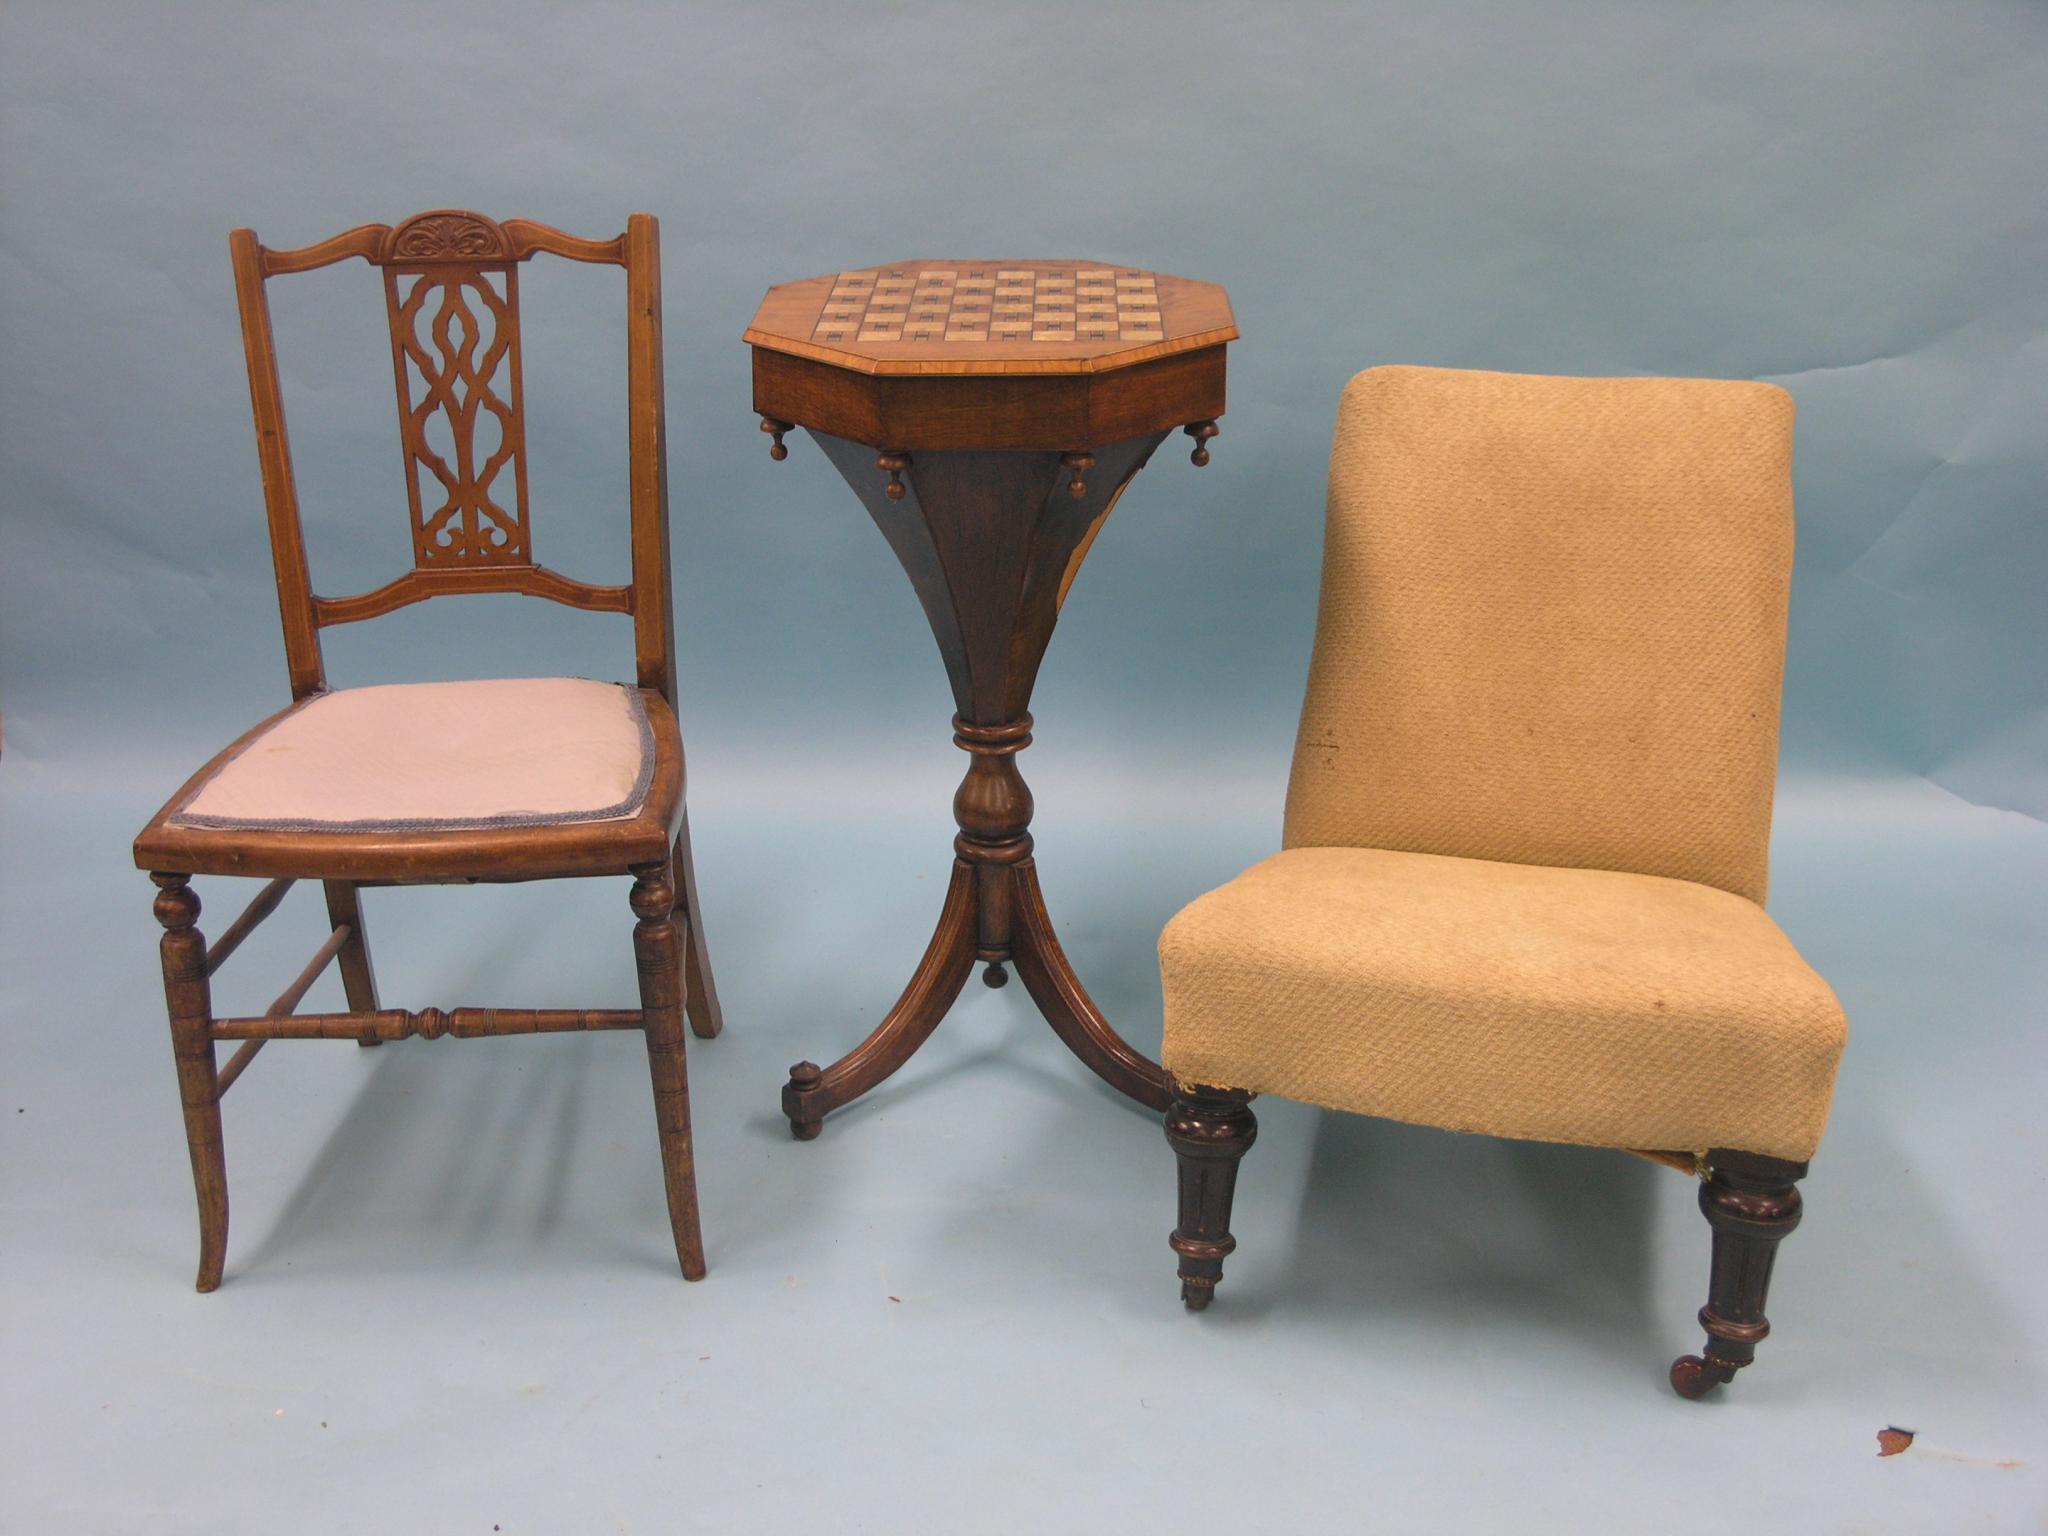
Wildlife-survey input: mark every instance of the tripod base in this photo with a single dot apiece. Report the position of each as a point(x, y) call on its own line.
point(980, 890)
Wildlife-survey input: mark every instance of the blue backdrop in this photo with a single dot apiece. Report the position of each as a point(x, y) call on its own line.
point(1842, 196)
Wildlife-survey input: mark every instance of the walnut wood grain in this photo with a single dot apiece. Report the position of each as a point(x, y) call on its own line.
point(658, 954)
point(1011, 411)
point(190, 1002)
point(358, 976)
point(813, 1092)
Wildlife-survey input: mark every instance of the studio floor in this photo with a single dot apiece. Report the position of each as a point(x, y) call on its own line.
point(451, 1304)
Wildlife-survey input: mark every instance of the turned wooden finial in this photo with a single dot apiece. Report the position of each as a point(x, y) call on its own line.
point(895, 461)
point(177, 904)
point(653, 899)
point(1080, 463)
point(775, 429)
point(806, 1117)
point(1201, 432)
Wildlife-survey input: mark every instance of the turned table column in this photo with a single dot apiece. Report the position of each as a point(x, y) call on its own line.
point(989, 415)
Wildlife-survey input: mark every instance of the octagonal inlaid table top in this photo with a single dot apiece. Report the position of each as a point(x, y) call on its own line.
point(991, 317)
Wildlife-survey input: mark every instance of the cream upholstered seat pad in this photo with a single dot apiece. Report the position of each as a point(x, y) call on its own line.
point(1569, 1005)
point(446, 756)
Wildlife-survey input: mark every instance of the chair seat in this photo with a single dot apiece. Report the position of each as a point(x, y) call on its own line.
point(395, 779)
point(1568, 1005)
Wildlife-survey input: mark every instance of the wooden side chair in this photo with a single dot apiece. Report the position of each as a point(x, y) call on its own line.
point(515, 779)
point(1521, 892)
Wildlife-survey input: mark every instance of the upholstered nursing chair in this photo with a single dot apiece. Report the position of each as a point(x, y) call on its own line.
point(1522, 879)
point(423, 783)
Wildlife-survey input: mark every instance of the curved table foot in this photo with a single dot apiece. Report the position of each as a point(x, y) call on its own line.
point(1694, 1378)
point(1051, 981)
point(812, 1093)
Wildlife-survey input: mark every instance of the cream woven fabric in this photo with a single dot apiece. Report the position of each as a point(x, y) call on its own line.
point(1531, 799)
point(1573, 1005)
point(438, 756)
point(1553, 623)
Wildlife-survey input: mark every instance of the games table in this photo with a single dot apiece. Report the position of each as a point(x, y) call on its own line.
point(989, 414)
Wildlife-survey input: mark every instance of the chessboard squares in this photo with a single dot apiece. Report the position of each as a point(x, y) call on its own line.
point(978, 304)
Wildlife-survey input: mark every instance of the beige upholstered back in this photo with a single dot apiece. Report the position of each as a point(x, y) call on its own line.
point(1553, 623)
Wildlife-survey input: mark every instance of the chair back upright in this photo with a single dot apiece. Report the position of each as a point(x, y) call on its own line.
point(1552, 624)
point(451, 290)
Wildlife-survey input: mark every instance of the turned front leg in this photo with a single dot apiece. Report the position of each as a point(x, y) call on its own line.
point(190, 1000)
point(1210, 1130)
point(657, 958)
point(1752, 1203)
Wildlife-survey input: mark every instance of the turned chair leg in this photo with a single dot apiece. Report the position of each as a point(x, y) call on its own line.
point(191, 1007)
point(1210, 1130)
point(358, 980)
point(655, 953)
point(1751, 1202)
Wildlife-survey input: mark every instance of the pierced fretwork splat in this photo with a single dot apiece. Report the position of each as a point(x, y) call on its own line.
point(455, 349)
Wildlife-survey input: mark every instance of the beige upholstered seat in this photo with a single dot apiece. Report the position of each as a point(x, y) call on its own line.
point(1552, 633)
point(1573, 1005)
point(1528, 821)
point(506, 752)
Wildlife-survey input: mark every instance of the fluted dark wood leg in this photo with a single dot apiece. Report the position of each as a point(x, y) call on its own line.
point(655, 941)
point(358, 980)
point(1751, 1202)
point(190, 1000)
point(1210, 1129)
